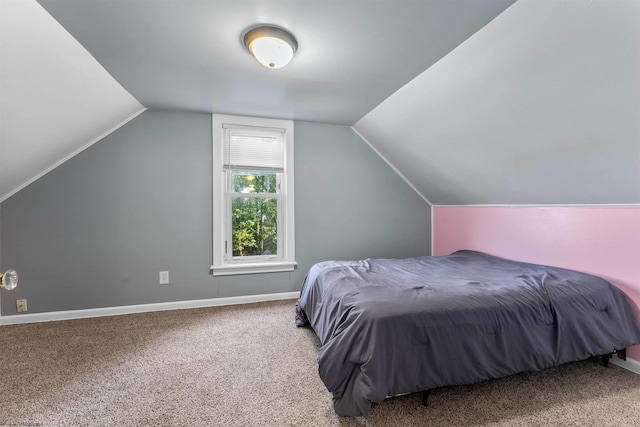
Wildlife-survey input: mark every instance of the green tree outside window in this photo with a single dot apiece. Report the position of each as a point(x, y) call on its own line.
point(254, 219)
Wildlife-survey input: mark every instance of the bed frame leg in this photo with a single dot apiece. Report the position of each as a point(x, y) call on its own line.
point(622, 354)
point(425, 397)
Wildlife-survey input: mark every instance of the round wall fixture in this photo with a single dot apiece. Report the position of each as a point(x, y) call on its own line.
point(272, 46)
point(9, 279)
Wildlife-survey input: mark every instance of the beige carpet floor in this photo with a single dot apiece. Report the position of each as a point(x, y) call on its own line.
point(249, 365)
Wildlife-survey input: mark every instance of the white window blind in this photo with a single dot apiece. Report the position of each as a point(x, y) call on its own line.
point(253, 148)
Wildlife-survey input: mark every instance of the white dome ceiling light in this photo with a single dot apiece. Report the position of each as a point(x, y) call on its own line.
point(272, 46)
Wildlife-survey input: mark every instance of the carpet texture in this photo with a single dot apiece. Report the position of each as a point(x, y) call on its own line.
point(248, 365)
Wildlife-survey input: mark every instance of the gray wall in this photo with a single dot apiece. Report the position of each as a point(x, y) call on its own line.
point(95, 231)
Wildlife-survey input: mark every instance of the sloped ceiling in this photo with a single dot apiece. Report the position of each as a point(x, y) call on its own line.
point(56, 98)
point(187, 55)
point(539, 105)
point(542, 106)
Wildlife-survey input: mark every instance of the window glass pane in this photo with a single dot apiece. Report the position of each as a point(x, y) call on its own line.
point(254, 226)
point(254, 182)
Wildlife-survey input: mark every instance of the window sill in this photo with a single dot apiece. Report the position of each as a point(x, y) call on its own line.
point(253, 268)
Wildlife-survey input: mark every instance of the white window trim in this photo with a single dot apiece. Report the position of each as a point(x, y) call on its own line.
point(221, 266)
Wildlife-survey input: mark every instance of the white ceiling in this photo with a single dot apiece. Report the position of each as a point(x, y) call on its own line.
point(542, 106)
point(76, 69)
point(538, 105)
point(55, 97)
point(187, 54)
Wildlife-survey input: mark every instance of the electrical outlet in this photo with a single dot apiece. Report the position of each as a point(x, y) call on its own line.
point(21, 305)
point(164, 277)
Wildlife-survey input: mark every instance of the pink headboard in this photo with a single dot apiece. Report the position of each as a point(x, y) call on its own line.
point(601, 240)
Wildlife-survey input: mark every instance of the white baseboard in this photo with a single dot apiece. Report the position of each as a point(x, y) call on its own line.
point(630, 364)
point(141, 308)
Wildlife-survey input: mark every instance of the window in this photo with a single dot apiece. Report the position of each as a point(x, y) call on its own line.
point(253, 207)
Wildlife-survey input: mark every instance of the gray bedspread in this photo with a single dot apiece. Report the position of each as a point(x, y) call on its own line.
point(393, 326)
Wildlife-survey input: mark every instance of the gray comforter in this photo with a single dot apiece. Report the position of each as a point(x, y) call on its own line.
point(393, 326)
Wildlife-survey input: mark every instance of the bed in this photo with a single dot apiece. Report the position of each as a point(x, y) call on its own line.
point(394, 326)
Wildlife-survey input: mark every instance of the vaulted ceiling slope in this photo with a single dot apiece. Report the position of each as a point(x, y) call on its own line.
point(186, 55)
point(542, 106)
point(55, 97)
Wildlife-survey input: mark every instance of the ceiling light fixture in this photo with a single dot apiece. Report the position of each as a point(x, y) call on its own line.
point(272, 46)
